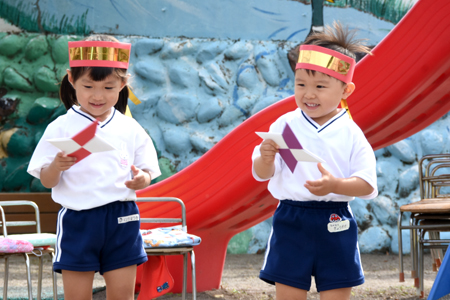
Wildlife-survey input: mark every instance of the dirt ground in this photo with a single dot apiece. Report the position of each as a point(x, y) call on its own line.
point(240, 280)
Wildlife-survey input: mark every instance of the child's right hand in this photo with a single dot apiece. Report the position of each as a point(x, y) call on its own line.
point(268, 150)
point(62, 162)
point(264, 165)
point(51, 173)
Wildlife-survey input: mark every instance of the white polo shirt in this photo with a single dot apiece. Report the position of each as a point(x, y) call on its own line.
point(340, 142)
point(99, 178)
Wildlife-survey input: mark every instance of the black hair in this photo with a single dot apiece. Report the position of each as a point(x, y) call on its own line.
point(338, 38)
point(335, 37)
point(67, 92)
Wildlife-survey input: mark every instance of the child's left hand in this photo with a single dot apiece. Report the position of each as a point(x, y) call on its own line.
point(141, 179)
point(324, 185)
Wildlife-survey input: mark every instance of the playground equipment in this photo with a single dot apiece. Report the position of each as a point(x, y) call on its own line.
point(401, 89)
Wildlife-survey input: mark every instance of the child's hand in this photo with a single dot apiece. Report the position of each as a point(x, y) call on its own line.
point(324, 185)
point(268, 150)
point(51, 173)
point(264, 165)
point(141, 179)
point(62, 162)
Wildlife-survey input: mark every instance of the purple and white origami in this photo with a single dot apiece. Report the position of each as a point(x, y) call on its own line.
point(290, 148)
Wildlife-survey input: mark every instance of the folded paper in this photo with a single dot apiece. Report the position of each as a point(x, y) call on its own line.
point(83, 143)
point(290, 148)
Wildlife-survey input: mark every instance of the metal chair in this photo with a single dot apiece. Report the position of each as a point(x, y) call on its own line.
point(433, 242)
point(185, 250)
point(430, 214)
point(37, 239)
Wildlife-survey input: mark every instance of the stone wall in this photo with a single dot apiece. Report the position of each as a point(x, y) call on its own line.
point(30, 68)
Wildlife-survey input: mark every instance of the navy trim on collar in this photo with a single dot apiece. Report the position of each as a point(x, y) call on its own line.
point(92, 120)
point(345, 112)
point(83, 115)
point(114, 112)
point(308, 119)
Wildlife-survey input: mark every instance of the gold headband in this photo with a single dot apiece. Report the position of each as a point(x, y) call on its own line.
point(99, 54)
point(327, 61)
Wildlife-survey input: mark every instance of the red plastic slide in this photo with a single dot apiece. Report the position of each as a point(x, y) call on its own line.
point(401, 89)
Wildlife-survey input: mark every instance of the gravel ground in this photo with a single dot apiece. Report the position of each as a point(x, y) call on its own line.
point(240, 280)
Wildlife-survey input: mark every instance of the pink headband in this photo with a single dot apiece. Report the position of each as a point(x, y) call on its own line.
point(327, 61)
point(99, 54)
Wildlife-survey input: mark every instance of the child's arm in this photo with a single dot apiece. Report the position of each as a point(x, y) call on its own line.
point(353, 186)
point(51, 174)
point(264, 165)
point(141, 179)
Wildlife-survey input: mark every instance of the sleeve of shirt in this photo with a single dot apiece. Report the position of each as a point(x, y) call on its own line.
point(44, 153)
point(363, 164)
point(146, 157)
point(276, 127)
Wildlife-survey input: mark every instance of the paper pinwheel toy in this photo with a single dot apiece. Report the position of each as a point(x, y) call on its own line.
point(290, 148)
point(83, 143)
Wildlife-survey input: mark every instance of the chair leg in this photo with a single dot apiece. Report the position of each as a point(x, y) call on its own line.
point(185, 266)
point(184, 293)
point(414, 249)
point(434, 253)
point(5, 282)
point(194, 279)
point(400, 248)
point(421, 266)
point(411, 245)
point(27, 263)
point(55, 282)
point(39, 288)
point(439, 252)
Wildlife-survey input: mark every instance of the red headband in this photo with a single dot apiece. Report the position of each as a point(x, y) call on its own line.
point(99, 54)
point(327, 61)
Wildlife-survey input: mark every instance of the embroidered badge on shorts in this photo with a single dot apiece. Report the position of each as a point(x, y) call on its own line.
point(337, 224)
point(127, 219)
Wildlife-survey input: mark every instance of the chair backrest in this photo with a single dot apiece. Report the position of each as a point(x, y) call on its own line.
point(4, 224)
point(181, 220)
point(429, 182)
point(436, 182)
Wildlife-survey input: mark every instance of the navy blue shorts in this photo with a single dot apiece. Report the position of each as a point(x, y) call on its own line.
point(301, 245)
point(100, 239)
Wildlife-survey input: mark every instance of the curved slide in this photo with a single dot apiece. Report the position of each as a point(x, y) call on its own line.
point(401, 89)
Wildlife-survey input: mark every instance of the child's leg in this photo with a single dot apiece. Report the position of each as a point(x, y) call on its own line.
point(120, 283)
point(77, 285)
point(286, 292)
point(336, 294)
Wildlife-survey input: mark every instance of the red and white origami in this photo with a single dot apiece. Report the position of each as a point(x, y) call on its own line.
point(83, 143)
point(290, 148)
